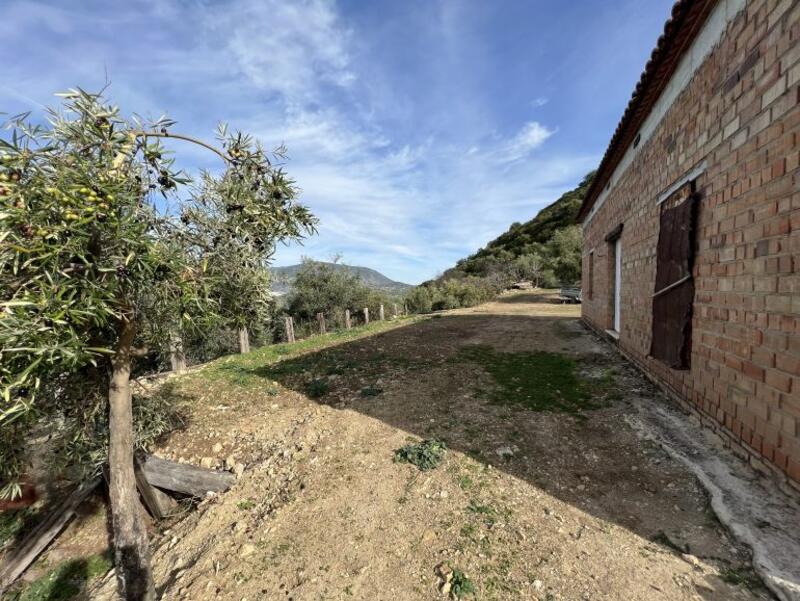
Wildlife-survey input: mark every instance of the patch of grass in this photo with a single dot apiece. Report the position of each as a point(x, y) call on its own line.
point(538, 380)
point(487, 513)
point(461, 585)
point(371, 391)
point(740, 577)
point(246, 504)
point(465, 482)
point(66, 580)
point(317, 388)
point(316, 354)
point(426, 455)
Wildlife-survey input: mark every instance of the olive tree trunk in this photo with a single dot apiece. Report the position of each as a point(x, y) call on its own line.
point(131, 549)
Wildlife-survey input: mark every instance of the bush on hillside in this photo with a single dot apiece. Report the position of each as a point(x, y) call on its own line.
point(320, 288)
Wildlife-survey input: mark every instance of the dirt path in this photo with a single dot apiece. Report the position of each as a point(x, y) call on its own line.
point(545, 493)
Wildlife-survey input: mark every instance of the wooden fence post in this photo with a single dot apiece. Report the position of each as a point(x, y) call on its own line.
point(366, 315)
point(405, 309)
point(244, 340)
point(381, 314)
point(321, 320)
point(289, 327)
point(177, 358)
point(394, 309)
point(347, 319)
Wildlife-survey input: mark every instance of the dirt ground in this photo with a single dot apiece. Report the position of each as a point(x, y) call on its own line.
point(565, 504)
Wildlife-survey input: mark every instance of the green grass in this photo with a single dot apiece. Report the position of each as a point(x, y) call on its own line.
point(537, 380)
point(307, 359)
point(745, 577)
point(66, 580)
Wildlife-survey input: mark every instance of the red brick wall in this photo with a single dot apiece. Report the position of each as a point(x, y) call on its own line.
point(741, 114)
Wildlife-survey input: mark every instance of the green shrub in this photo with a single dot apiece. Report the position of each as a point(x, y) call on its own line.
point(426, 455)
point(317, 388)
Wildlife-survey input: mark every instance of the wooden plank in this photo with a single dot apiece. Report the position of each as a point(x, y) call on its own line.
point(158, 503)
point(42, 535)
point(183, 478)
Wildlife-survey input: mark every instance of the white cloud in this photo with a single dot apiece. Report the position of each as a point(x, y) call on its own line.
point(289, 48)
point(532, 135)
point(541, 101)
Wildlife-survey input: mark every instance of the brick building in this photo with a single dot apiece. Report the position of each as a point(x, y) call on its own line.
point(692, 224)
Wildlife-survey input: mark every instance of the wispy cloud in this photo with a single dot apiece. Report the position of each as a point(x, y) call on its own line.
point(531, 136)
point(289, 48)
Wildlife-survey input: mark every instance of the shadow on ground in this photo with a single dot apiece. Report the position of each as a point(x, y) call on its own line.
point(475, 382)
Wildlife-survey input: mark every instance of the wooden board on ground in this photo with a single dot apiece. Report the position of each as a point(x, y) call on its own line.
point(183, 478)
point(158, 503)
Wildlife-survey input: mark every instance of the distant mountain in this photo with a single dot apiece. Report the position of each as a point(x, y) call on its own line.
point(282, 278)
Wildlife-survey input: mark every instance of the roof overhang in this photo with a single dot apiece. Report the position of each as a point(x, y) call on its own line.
point(686, 21)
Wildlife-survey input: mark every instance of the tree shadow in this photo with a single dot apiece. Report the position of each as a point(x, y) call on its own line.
point(380, 376)
point(474, 381)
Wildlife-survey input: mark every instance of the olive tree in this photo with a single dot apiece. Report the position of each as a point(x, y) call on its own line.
point(234, 215)
point(97, 267)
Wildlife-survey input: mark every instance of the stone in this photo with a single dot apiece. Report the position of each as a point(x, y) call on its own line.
point(247, 550)
point(217, 448)
point(207, 462)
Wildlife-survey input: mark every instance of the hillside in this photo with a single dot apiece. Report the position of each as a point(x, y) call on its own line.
point(549, 240)
point(539, 230)
point(282, 278)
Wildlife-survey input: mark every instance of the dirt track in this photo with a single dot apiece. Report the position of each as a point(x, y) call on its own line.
point(530, 504)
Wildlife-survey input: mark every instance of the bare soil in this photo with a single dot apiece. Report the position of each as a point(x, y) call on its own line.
point(528, 504)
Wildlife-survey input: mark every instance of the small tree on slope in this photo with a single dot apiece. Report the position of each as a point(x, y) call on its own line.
point(94, 268)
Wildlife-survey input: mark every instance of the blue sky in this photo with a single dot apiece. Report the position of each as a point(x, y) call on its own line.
point(417, 130)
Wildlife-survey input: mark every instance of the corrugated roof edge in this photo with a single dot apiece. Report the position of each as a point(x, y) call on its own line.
point(680, 30)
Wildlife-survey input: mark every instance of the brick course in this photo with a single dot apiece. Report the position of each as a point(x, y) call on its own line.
point(741, 115)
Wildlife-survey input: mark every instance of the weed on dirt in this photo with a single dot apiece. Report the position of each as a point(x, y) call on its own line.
point(317, 388)
point(461, 585)
point(426, 455)
point(370, 391)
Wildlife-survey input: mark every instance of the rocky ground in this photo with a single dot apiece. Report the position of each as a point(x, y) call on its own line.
point(544, 492)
